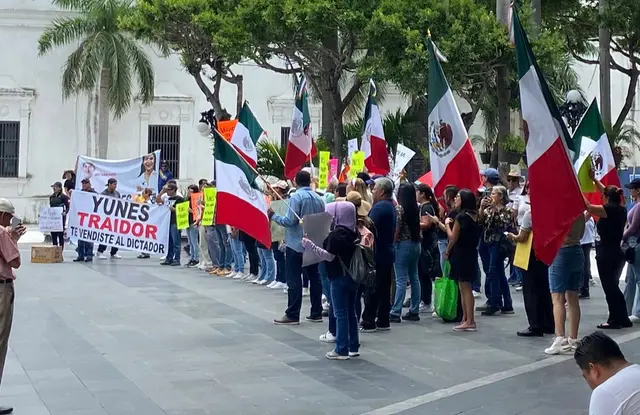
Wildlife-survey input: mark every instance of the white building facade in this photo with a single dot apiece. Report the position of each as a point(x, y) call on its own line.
point(41, 134)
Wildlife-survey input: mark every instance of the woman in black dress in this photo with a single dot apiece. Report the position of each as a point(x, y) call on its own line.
point(462, 251)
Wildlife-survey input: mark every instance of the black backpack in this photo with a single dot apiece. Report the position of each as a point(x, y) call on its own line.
point(362, 268)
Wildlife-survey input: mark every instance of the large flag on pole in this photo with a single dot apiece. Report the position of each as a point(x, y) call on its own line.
point(548, 156)
point(246, 134)
point(595, 152)
point(453, 161)
point(300, 146)
point(374, 145)
point(240, 203)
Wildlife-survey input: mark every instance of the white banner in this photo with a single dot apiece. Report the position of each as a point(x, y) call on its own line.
point(133, 175)
point(352, 146)
point(50, 219)
point(403, 157)
point(119, 223)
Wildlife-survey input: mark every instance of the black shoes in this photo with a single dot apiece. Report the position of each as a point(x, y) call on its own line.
point(411, 317)
point(314, 319)
point(286, 321)
point(394, 319)
point(5, 410)
point(529, 332)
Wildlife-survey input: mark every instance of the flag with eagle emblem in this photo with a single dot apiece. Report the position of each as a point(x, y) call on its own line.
point(453, 161)
point(246, 134)
point(239, 201)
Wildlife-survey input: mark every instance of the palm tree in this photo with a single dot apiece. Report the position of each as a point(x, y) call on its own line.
point(107, 59)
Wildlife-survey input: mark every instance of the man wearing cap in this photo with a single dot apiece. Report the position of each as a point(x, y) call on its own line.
point(490, 177)
point(59, 199)
point(112, 184)
point(85, 249)
point(9, 260)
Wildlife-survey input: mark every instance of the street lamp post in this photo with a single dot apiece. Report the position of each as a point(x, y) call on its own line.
point(207, 124)
point(573, 109)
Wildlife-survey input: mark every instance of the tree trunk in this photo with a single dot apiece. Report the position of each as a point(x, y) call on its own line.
point(213, 99)
point(103, 116)
point(327, 125)
point(605, 70)
point(329, 84)
point(631, 95)
point(240, 94)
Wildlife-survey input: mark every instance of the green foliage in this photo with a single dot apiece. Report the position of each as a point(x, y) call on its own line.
point(624, 140)
point(513, 143)
point(270, 158)
point(105, 52)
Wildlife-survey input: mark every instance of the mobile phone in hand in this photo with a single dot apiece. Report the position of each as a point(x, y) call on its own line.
point(15, 222)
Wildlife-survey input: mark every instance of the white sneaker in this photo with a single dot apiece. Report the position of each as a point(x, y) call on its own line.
point(573, 343)
point(327, 338)
point(434, 315)
point(116, 256)
point(560, 345)
point(305, 292)
point(425, 309)
point(256, 281)
point(232, 275)
point(279, 285)
point(264, 282)
point(163, 258)
point(238, 276)
point(325, 306)
point(332, 355)
point(519, 288)
point(634, 319)
point(271, 284)
point(477, 294)
point(101, 256)
point(248, 277)
point(324, 298)
point(354, 354)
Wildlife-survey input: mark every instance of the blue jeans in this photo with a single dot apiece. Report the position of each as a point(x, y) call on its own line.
point(267, 265)
point(278, 255)
point(175, 241)
point(442, 246)
point(343, 301)
point(85, 250)
point(237, 250)
point(406, 267)
point(193, 235)
point(496, 285)
point(222, 245)
point(324, 278)
point(632, 280)
point(294, 271)
point(210, 235)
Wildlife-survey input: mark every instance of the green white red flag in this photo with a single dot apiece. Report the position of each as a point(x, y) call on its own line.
point(453, 161)
point(550, 163)
point(300, 147)
point(239, 201)
point(374, 145)
point(246, 134)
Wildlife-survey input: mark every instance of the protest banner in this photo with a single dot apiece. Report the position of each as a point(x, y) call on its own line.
point(357, 164)
point(225, 128)
point(182, 215)
point(133, 175)
point(352, 147)
point(50, 219)
point(323, 169)
point(316, 227)
point(119, 223)
point(208, 213)
point(403, 157)
point(333, 169)
point(197, 203)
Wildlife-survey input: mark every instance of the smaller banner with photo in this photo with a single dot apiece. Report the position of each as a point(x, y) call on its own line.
point(119, 223)
point(133, 175)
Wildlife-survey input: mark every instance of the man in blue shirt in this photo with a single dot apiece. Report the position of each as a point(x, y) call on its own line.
point(303, 202)
point(383, 215)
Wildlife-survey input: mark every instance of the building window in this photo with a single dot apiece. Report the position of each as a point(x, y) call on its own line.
point(284, 136)
point(9, 148)
point(166, 138)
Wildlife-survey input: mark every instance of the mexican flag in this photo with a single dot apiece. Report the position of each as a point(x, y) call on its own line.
point(453, 161)
point(246, 134)
point(550, 163)
point(595, 152)
point(300, 147)
point(240, 203)
point(374, 146)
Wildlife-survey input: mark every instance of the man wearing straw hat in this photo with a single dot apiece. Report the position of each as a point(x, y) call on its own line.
point(303, 202)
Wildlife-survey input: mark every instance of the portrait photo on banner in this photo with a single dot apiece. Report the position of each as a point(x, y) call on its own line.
point(119, 223)
point(133, 175)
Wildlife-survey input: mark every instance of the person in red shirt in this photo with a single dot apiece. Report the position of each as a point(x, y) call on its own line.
point(9, 260)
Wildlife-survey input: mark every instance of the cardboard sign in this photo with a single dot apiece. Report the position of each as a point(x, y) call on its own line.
point(208, 213)
point(352, 147)
point(523, 252)
point(323, 169)
point(182, 215)
point(333, 169)
point(226, 128)
point(197, 203)
point(357, 164)
point(50, 219)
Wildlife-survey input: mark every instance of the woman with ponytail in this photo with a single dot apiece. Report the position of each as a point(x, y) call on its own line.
point(609, 256)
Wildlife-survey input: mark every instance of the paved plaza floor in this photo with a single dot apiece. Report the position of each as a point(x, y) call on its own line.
point(128, 336)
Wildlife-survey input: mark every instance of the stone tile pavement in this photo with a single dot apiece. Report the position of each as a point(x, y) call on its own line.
point(131, 337)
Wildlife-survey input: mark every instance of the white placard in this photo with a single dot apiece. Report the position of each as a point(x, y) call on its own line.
point(133, 175)
point(352, 146)
point(403, 156)
point(50, 219)
point(119, 223)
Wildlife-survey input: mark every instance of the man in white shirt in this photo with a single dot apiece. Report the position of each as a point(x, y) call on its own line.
point(587, 241)
point(615, 382)
point(513, 186)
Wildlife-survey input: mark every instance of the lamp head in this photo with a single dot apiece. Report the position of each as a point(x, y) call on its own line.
point(574, 96)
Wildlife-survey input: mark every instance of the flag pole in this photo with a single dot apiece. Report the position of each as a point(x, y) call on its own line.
point(257, 173)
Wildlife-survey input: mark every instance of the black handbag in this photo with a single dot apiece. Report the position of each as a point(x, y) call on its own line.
point(629, 252)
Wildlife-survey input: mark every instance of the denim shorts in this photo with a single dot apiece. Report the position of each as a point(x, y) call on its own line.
point(565, 273)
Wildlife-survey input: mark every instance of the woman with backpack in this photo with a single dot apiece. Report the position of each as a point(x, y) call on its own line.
point(338, 250)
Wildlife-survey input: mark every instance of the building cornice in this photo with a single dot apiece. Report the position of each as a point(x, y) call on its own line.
point(31, 18)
